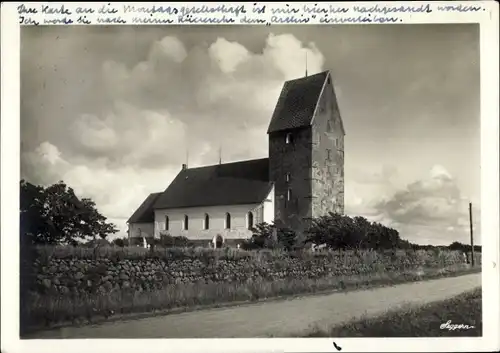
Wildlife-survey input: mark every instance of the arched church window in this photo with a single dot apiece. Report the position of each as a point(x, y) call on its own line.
point(206, 222)
point(218, 241)
point(228, 221)
point(186, 222)
point(167, 223)
point(250, 220)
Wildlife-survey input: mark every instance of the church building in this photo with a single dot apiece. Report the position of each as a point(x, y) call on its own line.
point(302, 178)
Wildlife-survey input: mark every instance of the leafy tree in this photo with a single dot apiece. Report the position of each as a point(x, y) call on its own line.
point(457, 246)
point(33, 213)
point(343, 232)
point(334, 230)
point(463, 247)
point(55, 215)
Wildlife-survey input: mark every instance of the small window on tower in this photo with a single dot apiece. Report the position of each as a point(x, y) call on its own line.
point(287, 177)
point(288, 138)
point(289, 194)
point(329, 126)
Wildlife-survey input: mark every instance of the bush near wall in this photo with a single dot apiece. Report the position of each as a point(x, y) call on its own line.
point(335, 231)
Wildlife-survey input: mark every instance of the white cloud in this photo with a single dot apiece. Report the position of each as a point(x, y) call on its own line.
point(228, 55)
point(288, 55)
point(439, 172)
point(169, 47)
point(48, 152)
point(117, 192)
point(429, 210)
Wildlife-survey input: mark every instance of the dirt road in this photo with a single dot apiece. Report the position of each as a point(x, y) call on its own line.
point(276, 318)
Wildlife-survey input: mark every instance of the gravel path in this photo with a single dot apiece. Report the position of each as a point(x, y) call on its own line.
point(277, 318)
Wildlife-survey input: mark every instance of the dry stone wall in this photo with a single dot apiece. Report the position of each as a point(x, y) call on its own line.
point(80, 276)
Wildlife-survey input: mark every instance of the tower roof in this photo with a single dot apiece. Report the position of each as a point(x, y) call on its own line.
point(297, 102)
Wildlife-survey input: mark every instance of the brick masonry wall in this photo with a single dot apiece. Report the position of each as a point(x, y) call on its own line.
point(315, 163)
point(327, 156)
point(293, 159)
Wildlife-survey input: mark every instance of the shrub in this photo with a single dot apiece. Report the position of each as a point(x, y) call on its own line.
point(136, 241)
point(268, 236)
point(119, 242)
point(168, 241)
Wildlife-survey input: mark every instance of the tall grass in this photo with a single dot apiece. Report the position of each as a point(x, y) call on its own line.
point(140, 253)
point(411, 321)
point(349, 257)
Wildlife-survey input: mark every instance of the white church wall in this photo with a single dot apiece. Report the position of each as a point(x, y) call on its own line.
point(263, 212)
point(268, 207)
point(136, 230)
point(217, 221)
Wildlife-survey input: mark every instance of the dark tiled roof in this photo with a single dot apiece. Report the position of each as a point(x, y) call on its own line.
point(236, 183)
point(297, 102)
point(145, 212)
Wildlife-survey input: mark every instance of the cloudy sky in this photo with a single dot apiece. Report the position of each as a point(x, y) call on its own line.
point(112, 111)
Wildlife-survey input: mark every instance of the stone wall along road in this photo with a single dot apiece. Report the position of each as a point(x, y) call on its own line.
point(276, 318)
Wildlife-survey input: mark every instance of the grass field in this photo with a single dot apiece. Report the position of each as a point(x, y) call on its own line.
point(427, 321)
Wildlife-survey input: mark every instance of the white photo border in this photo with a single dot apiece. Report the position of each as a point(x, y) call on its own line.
point(10, 176)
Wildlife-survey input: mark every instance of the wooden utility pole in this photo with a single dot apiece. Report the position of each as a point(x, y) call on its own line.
point(306, 63)
point(471, 234)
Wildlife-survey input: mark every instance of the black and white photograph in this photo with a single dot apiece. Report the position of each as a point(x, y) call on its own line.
point(250, 181)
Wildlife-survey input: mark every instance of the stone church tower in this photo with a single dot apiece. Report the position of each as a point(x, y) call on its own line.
point(306, 152)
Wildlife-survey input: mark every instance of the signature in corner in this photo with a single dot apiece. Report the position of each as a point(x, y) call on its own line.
point(452, 327)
